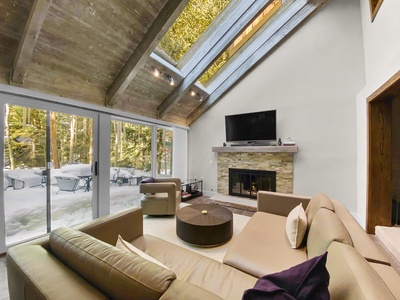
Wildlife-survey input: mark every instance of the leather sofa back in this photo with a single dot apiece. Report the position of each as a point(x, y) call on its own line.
point(352, 277)
point(326, 227)
point(317, 201)
point(116, 273)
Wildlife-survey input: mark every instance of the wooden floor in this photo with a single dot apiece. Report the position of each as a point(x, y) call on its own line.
point(241, 211)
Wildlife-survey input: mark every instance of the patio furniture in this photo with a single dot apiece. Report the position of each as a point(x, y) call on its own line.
point(68, 184)
point(15, 183)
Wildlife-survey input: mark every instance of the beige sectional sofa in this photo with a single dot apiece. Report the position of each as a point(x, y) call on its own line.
point(84, 264)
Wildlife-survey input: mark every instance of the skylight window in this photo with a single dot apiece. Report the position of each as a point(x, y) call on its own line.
point(242, 39)
point(189, 26)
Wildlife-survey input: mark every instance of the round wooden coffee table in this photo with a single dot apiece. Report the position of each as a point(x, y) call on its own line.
point(204, 225)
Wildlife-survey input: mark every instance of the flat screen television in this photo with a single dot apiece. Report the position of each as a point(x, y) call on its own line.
point(251, 127)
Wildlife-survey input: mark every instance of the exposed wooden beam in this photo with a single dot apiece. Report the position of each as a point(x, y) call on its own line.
point(137, 60)
point(259, 51)
point(31, 33)
point(233, 26)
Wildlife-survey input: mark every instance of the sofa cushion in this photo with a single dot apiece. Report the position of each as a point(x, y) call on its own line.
point(318, 201)
point(262, 247)
point(296, 226)
point(116, 273)
point(325, 228)
point(124, 245)
point(193, 268)
point(308, 280)
point(352, 277)
point(389, 276)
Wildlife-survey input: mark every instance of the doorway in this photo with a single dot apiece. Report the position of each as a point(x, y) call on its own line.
point(383, 153)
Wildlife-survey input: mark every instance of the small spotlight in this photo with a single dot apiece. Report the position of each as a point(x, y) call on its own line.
point(156, 72)
point(201, 98)
point(171, 81)
point(192, 93)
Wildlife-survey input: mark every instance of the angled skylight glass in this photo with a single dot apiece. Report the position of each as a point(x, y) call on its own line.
point(188, 27)
point(263, 20)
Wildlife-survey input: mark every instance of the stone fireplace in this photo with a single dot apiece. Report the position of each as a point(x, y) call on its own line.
point(278, 159)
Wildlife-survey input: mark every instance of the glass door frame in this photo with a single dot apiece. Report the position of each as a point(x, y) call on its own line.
point(55, 107)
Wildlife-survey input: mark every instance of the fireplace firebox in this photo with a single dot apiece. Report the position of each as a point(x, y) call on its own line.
point(246, 183)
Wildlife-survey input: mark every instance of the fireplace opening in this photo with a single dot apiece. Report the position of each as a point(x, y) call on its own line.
point(246, 183)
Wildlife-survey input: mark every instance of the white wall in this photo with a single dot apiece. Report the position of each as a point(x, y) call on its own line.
point(382, 61)
point(180, 154)
point(312, 80)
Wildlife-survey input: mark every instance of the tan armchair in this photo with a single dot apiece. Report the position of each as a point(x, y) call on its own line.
point(161, 197)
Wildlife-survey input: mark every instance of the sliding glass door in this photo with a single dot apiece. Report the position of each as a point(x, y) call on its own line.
point(48, 170)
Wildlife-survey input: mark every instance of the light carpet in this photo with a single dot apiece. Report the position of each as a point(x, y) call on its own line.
point(165, 228)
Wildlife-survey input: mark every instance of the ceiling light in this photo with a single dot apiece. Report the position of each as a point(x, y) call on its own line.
point(192, 93)
point(171, 80)
point(201, 98)
point(156, 72)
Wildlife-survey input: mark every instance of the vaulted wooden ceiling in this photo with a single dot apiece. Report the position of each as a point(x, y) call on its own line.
point(102, 51)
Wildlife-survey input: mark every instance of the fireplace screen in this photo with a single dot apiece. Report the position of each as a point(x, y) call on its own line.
point(246, 183)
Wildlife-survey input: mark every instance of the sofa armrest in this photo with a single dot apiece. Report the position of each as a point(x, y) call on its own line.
point(34, 273)
point(177, 181)
point(182, 290)
point(279, 203)
point(128, 223)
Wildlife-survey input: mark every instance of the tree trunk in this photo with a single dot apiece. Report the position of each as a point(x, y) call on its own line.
point(72, 139)
point(9, 143)
point(53, 140)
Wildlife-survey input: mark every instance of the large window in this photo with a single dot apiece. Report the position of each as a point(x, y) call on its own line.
point(51, 169)
point(47, 171)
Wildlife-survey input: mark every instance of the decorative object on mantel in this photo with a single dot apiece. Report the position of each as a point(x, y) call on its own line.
point(289, 142)
point(374, 6)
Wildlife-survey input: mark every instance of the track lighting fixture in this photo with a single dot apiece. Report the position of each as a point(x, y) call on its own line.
point(193, 93)
point(156, 72)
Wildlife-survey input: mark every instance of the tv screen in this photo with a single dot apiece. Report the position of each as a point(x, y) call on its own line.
point(257, 126)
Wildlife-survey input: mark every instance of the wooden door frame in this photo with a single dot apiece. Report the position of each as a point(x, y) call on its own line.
point(379, 182)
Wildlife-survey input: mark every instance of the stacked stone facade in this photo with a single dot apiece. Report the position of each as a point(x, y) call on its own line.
point(281, 163)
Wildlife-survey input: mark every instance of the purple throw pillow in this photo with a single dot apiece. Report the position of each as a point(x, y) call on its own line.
point(148, 180)
point(308, 280)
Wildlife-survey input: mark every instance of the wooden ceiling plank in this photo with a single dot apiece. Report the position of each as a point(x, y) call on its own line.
point(259, 53)
point(28, 40)
point(137, 60)
point(202, 63)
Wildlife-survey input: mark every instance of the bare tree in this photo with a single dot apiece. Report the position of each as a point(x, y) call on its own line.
point(53, 140)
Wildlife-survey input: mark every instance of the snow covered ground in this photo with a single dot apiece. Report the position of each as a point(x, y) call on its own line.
point(25, 209)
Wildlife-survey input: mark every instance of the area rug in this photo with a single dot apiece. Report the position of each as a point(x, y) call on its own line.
point(165, 228)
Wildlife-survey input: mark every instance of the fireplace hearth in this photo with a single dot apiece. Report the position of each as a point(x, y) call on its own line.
point(246, 183)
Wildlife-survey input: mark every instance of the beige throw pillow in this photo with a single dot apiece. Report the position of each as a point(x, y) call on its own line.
point(124, 245)
point(296, 226)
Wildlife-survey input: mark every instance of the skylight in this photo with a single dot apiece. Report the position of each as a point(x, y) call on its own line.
point(243, 38)
point(189, 26)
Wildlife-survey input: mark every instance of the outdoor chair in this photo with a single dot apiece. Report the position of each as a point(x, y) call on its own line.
point(161, 197)
point(68, 184)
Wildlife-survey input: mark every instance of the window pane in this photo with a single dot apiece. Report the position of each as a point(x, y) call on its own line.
point(130, 160)
point(24, 160)
point(188, 27)
point(164, 152)
point(242, 39)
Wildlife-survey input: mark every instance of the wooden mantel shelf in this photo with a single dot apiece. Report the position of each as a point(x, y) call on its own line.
point(291, 149)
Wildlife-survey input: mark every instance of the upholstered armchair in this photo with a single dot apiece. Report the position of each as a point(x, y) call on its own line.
point(162, 197)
